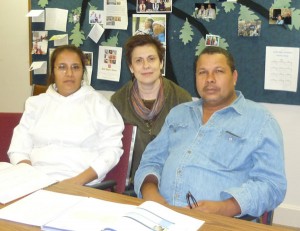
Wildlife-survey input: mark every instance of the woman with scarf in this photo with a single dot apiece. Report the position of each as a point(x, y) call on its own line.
point(147, 99)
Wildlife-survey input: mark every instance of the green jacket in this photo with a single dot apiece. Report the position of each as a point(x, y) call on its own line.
point(147, 130)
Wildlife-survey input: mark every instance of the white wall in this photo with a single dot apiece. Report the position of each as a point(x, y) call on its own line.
point(15, 88)
point(14, 59)
point(288, 213)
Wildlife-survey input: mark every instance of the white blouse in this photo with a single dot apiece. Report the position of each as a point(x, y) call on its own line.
point(63, 136)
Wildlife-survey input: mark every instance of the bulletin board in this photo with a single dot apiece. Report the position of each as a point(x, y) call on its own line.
point(186, 37)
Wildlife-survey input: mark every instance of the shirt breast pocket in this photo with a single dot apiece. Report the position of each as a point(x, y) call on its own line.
point(228, 152)
point(178, 132)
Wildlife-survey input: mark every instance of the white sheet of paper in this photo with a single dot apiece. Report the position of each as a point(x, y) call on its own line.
point(59, 40)
point(96, 32)
point(116, 15)
point(20, 180)
point(281, 68)
point(4, 165)
point(36, 15)
point(90, 214)
point(56, 19)
point(39, 67)
point(39, 207)
point(109, 63)
point(57, 211)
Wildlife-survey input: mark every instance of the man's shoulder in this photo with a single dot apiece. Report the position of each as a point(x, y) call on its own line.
point(255, 108)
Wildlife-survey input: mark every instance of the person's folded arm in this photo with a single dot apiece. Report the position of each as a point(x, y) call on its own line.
point(25, 162)
point(85, 177)
point(149, 190)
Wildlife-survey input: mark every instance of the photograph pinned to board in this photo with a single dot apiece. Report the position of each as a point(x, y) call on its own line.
point(109, 63)
point(153, 6)
point(212, 40)
point(39, 42)
point(153, 24)
point(89, 66)
point(205, 11)
point(96, 16)
point(281, 16)
point(249, 28)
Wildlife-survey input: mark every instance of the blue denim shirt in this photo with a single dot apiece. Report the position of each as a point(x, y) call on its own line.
point(237, 153)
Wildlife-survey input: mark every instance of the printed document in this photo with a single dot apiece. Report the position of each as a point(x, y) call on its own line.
point(20, 180)
point(58, 211)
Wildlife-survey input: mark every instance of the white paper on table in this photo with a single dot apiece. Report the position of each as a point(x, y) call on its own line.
point(39, 207)
point(89, 214)
point(20, 180)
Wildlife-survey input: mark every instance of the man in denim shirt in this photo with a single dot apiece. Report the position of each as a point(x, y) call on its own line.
point(224, 149)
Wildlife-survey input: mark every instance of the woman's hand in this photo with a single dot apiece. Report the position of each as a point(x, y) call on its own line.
point(83, 178)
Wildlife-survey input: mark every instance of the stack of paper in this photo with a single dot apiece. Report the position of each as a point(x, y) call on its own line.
point(57, 211)
point(20, 180)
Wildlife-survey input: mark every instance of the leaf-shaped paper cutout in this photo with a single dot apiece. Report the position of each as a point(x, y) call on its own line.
point(187, 33)
point(112, 41)
point(76, 11)
point(200, 46)
point(43, 3)
point(93, 7)
point(246, 14)
point(278, 4)
point(223, 43)
point(295, 20)
point(228, 6)
point(77, 36)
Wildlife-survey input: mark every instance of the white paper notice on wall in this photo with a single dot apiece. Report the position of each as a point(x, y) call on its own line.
point(281, 68)
point(56, 19)
point(96, 32)
point(59, 40)
point(109, 63)
point(36, 15)
point(39, 67)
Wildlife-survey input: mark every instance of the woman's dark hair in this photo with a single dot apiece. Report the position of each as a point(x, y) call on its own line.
point(141, 40)
point(58, 51)
point(218, 50)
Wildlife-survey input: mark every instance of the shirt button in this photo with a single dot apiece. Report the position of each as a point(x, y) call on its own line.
point(189, 151)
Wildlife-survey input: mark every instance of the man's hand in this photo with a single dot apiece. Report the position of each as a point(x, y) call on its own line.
point(228, 207)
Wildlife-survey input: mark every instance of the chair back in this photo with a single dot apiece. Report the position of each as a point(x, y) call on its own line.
point(266, 218)
point(120, 173)
point(8, 121)
point(38, 89)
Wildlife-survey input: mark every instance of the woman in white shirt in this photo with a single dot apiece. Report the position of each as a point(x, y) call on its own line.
point(71, 132)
